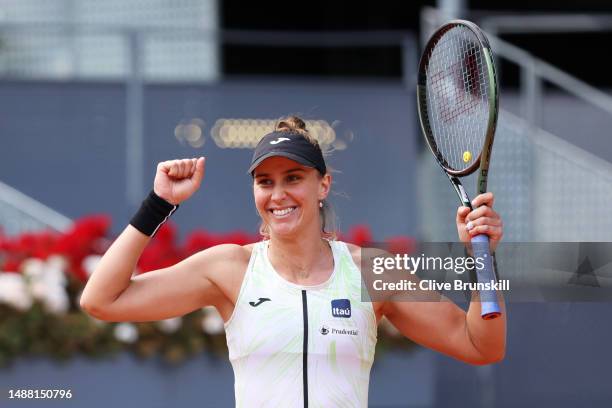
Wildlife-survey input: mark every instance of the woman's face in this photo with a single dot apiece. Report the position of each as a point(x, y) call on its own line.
point(287, 195)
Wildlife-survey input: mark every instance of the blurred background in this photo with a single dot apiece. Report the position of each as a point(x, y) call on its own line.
point(95, 93)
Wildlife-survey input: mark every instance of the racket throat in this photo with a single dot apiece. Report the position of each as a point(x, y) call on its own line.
point(463, 197)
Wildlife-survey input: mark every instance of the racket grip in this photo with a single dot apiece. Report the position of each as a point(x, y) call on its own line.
point(484, 274)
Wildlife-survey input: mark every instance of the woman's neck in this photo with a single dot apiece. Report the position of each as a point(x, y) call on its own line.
point(304, 261)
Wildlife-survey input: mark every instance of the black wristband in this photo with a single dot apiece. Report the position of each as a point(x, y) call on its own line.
point(153, 212)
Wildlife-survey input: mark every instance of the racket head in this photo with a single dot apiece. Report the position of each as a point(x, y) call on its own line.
point(457, 98)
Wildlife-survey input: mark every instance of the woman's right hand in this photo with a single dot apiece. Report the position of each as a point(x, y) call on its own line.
point(177, 180)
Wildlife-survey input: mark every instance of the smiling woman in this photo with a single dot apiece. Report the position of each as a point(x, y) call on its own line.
point(286, 194)
point(292, 143)
point(297, 330)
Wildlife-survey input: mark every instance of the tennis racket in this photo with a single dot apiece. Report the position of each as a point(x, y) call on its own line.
point(458, 101)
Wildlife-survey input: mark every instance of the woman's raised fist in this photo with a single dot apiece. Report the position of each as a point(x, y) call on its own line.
point(177, 180)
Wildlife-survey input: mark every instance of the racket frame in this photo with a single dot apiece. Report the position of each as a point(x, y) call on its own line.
point(484, 157)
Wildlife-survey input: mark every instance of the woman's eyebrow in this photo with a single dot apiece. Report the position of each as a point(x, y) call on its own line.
point(294, 169)
point(284, 172)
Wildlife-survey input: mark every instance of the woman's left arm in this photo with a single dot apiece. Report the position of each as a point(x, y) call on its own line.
point(487, 335)
point(442, 325)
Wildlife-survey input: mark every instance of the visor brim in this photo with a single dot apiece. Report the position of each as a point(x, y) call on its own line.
point(299, 159)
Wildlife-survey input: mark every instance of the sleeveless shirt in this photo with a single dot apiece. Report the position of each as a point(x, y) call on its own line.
point(297, 346)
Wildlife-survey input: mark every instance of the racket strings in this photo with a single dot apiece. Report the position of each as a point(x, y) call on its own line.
point(457, 94)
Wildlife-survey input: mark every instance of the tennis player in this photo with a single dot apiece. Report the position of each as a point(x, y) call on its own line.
point(297, 331)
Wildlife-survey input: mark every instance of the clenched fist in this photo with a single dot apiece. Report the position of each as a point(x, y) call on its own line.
point(177, 180)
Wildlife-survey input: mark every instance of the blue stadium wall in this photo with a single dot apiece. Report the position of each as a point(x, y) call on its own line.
point(64, 145)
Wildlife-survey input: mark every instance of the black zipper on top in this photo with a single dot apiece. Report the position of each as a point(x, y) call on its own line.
point(305, 349)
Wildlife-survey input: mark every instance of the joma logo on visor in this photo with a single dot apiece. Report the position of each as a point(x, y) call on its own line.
point(280, 139)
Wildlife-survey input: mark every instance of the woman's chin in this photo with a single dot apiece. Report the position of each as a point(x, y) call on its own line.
point(283, 231)
point(287, 228)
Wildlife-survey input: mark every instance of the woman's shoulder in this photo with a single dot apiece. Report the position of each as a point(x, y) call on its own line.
point(235, 252)
point(355, 251)
point(231, 256)
point(351, 247)
point(225, 265)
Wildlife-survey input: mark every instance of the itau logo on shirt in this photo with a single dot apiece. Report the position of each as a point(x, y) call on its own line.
point(341, 308)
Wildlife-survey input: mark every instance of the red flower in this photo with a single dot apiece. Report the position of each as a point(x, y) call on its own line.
point(11, 265)
point(359, 235)
point(238, 237)
point(162, 251)
point(82, 240)
point(15, 250)
point(87, 236)
point(198, 241)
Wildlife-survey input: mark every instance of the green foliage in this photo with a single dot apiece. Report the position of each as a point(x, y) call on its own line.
point(37, 333)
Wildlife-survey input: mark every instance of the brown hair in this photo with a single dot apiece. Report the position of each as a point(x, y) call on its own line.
point(295, 124)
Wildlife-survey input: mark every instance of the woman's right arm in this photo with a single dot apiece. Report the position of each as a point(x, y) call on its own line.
point(113, 294)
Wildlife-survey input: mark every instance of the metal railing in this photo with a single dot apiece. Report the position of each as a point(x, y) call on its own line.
point(534, 71)
point(19, 212)
point(544, 23)
point(547, 188)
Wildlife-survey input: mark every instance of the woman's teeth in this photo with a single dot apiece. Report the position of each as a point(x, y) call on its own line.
point(283, 212)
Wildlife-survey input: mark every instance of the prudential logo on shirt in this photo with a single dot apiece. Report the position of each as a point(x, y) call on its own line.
point(341, 308)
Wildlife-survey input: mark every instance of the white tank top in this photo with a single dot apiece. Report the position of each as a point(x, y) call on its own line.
point(300, 346)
